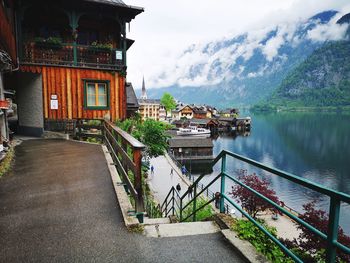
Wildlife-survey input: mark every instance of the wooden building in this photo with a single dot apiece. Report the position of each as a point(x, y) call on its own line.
point(132, 106)
point(72, 57)
point(191, 148)
point(182, 111)
point(8, 62)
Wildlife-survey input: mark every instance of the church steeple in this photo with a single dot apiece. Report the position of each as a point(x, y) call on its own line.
point(144, 94)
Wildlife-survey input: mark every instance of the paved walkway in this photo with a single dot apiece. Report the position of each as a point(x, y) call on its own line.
point(161, 181)
point(58, 205)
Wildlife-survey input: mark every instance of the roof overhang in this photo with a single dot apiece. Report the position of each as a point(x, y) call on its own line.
point(130, 11)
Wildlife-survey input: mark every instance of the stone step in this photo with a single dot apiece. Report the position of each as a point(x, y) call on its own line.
point(156, 221)
point(181, 229)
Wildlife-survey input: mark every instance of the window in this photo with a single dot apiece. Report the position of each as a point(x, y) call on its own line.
point(96, 94)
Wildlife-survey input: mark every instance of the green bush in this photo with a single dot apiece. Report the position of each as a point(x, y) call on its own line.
point(202, 214)
point(248, 231)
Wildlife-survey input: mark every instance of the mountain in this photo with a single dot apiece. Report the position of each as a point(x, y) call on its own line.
point(323, 79)
point(249, 67)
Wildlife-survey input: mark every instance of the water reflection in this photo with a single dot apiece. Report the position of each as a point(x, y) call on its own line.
point(315, 146)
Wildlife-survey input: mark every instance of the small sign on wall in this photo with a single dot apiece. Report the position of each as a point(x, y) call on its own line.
point(54, 102)
point(119, 55)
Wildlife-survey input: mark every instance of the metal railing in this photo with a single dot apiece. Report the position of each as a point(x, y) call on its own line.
point(171, 204)
point(152, 209)
point(71, 55)
point(331, 237)
point(207, 192)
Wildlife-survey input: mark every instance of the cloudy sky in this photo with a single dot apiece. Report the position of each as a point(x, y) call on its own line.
point(166, 28)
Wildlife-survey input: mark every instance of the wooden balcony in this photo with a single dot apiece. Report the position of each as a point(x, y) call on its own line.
point(71, 55)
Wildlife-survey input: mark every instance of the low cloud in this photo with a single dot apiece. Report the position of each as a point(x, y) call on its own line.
point(206, 64)
point(330, 31)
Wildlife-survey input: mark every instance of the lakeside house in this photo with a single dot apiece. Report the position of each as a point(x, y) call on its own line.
point(229, 113)
point(191, 148)
point(182, 111)
point(72, 61)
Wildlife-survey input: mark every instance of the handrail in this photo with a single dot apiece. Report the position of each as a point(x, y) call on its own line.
point(117, 142)
point(336, 198)
point(291, 177)
point(126, 136)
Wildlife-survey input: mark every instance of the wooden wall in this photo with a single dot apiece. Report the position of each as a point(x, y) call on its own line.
point(68, 85)
point(7, 35)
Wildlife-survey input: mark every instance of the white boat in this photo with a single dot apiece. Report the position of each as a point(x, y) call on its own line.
point(193, 131)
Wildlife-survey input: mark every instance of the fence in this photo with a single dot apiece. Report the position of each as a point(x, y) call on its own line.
point(126, 152)
point(331, 237)
point(208, 193)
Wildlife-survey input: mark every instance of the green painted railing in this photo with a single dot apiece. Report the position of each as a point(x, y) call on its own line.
point(336, 198)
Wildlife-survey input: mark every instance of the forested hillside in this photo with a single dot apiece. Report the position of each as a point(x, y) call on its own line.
point(323, 79)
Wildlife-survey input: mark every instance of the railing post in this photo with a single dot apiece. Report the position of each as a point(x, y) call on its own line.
point(180, 209)
point(222, 186)
point(333, 226)
point(138, 180)
point(75, 53)
point(173, 202)
point(194, 202)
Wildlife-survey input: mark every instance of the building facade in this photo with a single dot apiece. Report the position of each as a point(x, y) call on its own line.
point(149, 108)
point(72, 61)
point(8, 63)
point(182, 111)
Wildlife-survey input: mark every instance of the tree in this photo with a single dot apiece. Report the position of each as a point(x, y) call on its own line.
point(249, 201)
point(150, 132)
point(168, 102)
point(154, 137)
point(313, 244)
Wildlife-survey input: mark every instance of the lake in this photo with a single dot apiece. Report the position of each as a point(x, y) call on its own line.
point(315, 146)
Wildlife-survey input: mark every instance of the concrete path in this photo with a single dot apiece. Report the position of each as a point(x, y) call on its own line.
point(161, 181)
point(58, 205)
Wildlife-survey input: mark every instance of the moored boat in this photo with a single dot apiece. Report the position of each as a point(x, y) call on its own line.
point(193, 131)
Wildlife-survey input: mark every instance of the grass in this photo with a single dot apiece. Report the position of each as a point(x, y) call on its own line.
point(202, 214)
point(137, 228)
point(6, 163)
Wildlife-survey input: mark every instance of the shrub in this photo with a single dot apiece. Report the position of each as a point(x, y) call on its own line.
point(202, 214)
point(248, 231)
point(249, 201)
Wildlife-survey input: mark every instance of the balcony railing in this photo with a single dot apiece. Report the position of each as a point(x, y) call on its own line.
point(71, 55)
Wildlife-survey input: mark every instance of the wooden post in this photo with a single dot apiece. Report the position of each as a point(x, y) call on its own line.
point(138, 180)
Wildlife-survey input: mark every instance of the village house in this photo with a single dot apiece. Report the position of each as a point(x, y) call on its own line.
point(182, 111)
point(191, 148)
point(8, 63)
point(200, 112)
point(132, 105)
point(72, 61)
point(229, 113)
